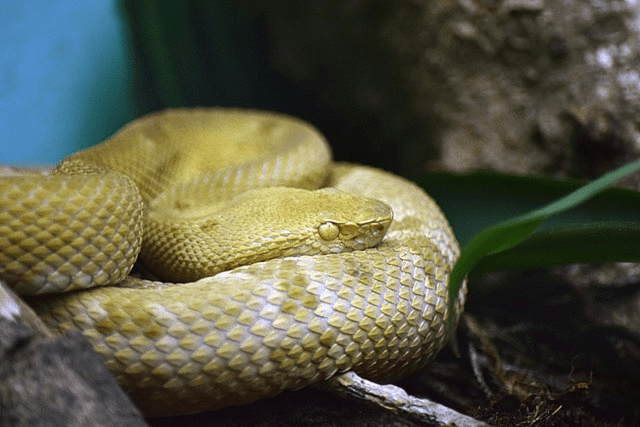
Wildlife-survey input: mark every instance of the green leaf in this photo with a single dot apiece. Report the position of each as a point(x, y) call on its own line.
point(509, 233)
point(596, 241)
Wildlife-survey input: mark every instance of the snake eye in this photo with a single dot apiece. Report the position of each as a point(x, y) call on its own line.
point(328, 231)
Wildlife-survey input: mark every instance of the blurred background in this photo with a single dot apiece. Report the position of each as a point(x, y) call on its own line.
point(74, 72)
point(411, 87)
point(66, 77)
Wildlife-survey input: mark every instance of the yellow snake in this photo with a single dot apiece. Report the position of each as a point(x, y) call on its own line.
point(332, 284)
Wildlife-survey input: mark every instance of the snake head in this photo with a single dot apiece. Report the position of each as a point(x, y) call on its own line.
point(262, 224)
point(355, 222)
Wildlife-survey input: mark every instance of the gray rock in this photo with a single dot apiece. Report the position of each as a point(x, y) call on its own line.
point(48, 380)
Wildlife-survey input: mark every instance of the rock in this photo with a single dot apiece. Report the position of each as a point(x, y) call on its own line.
point(527, 87)
point(48, 380)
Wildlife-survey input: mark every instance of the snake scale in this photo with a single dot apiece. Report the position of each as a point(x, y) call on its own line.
point(258, 287)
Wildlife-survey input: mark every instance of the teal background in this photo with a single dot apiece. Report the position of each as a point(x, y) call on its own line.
point(66, 77)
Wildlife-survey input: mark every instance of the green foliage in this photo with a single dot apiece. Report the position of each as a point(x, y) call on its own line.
point(565, 242)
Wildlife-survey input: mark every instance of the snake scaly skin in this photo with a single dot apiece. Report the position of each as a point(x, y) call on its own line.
point(285, 287)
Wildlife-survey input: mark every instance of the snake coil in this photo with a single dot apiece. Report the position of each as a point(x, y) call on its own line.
point(264, 287)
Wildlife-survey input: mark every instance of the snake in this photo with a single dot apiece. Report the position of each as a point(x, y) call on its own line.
point(216, 256)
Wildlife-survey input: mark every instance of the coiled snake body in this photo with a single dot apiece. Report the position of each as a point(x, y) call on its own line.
point(325, 289)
